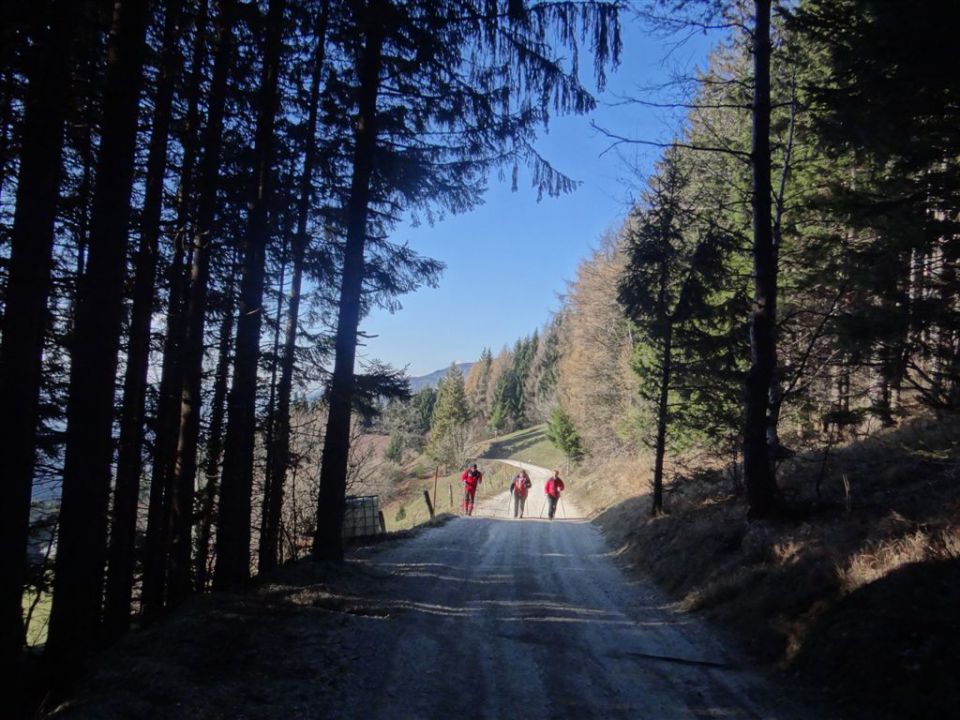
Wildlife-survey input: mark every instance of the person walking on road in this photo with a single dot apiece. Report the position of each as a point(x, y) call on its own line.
point(471, 477)
point(553, 488)
point(521, 485)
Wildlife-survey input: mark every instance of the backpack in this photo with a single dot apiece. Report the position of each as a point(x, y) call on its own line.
point(520, 485)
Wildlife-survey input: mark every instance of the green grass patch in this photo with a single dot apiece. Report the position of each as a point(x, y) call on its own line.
point(528, 445)
point(40, 618)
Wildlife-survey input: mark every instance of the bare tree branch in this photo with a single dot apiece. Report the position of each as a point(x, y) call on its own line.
point(620, 140)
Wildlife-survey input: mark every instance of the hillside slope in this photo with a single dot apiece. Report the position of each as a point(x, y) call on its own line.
point(433, 379)
point(855, 590)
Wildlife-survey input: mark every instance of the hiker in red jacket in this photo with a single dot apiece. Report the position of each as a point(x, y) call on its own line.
point(521, 484)
point(553, 488)
point(471, 477)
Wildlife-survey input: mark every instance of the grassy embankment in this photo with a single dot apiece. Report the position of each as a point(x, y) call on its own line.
point(528, 445)
point(856, 590)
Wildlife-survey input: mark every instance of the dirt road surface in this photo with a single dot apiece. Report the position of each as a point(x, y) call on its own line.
point(503, 618)
point(482, 617)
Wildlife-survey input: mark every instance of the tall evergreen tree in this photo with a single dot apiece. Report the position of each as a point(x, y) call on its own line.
point(279, 457)
point(896, 189)
point(214, 447)
point(78, 584)
point(171, 373)
point(25, 300)
point(451, 415)
point(181, 489)
point(233, 532)
point(119, 587)
point(675, 270)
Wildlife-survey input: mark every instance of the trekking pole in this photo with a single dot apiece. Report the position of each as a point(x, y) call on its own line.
point(562, 509)
point(542, 503)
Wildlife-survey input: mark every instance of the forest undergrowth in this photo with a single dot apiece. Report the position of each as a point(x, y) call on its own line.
point(854, 590)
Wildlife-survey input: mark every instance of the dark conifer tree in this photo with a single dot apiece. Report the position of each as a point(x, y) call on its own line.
point(762, 495)
point(214, 447)
point(78, 585)
point(279, 457)
point(672, 289)
point(130, 455)
point(204, 237)
point(171, 374)
point(233, 530)
point(25, 298)
point(333, 477)
point(886, 114)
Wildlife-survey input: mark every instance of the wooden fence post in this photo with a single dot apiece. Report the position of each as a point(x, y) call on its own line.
point(426, 496)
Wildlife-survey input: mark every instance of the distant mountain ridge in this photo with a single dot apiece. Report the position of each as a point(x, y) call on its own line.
point(433, 379)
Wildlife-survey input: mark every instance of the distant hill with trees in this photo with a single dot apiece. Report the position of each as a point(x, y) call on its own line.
point(433, 379)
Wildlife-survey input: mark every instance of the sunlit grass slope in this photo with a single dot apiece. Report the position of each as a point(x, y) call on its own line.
point(528, 445)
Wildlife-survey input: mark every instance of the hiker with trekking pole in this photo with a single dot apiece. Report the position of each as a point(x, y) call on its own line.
point(521, 485)
point(552, 490)
point(471, 477)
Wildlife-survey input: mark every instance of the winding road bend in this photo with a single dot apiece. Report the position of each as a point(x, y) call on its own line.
point(490, 617)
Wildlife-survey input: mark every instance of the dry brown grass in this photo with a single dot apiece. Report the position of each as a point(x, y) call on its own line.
point(816, 592)
point(882, 557)
point(598, 487)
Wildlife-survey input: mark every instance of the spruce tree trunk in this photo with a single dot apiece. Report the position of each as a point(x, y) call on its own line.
point(279, 456)
point(171, 374)
point(81, 548)
point(666, 366)
point(214, 452)
point(233, 530)
point(328, 542)
point(278, 452)
point(271, 418)
point(130, 462)
point(180, 505)
point(25, 303)
point(758, 471)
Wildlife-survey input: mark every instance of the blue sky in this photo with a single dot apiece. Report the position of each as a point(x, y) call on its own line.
point(509, 260)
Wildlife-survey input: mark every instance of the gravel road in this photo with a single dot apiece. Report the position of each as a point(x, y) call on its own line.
point(488, 617)
point(483, 617)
